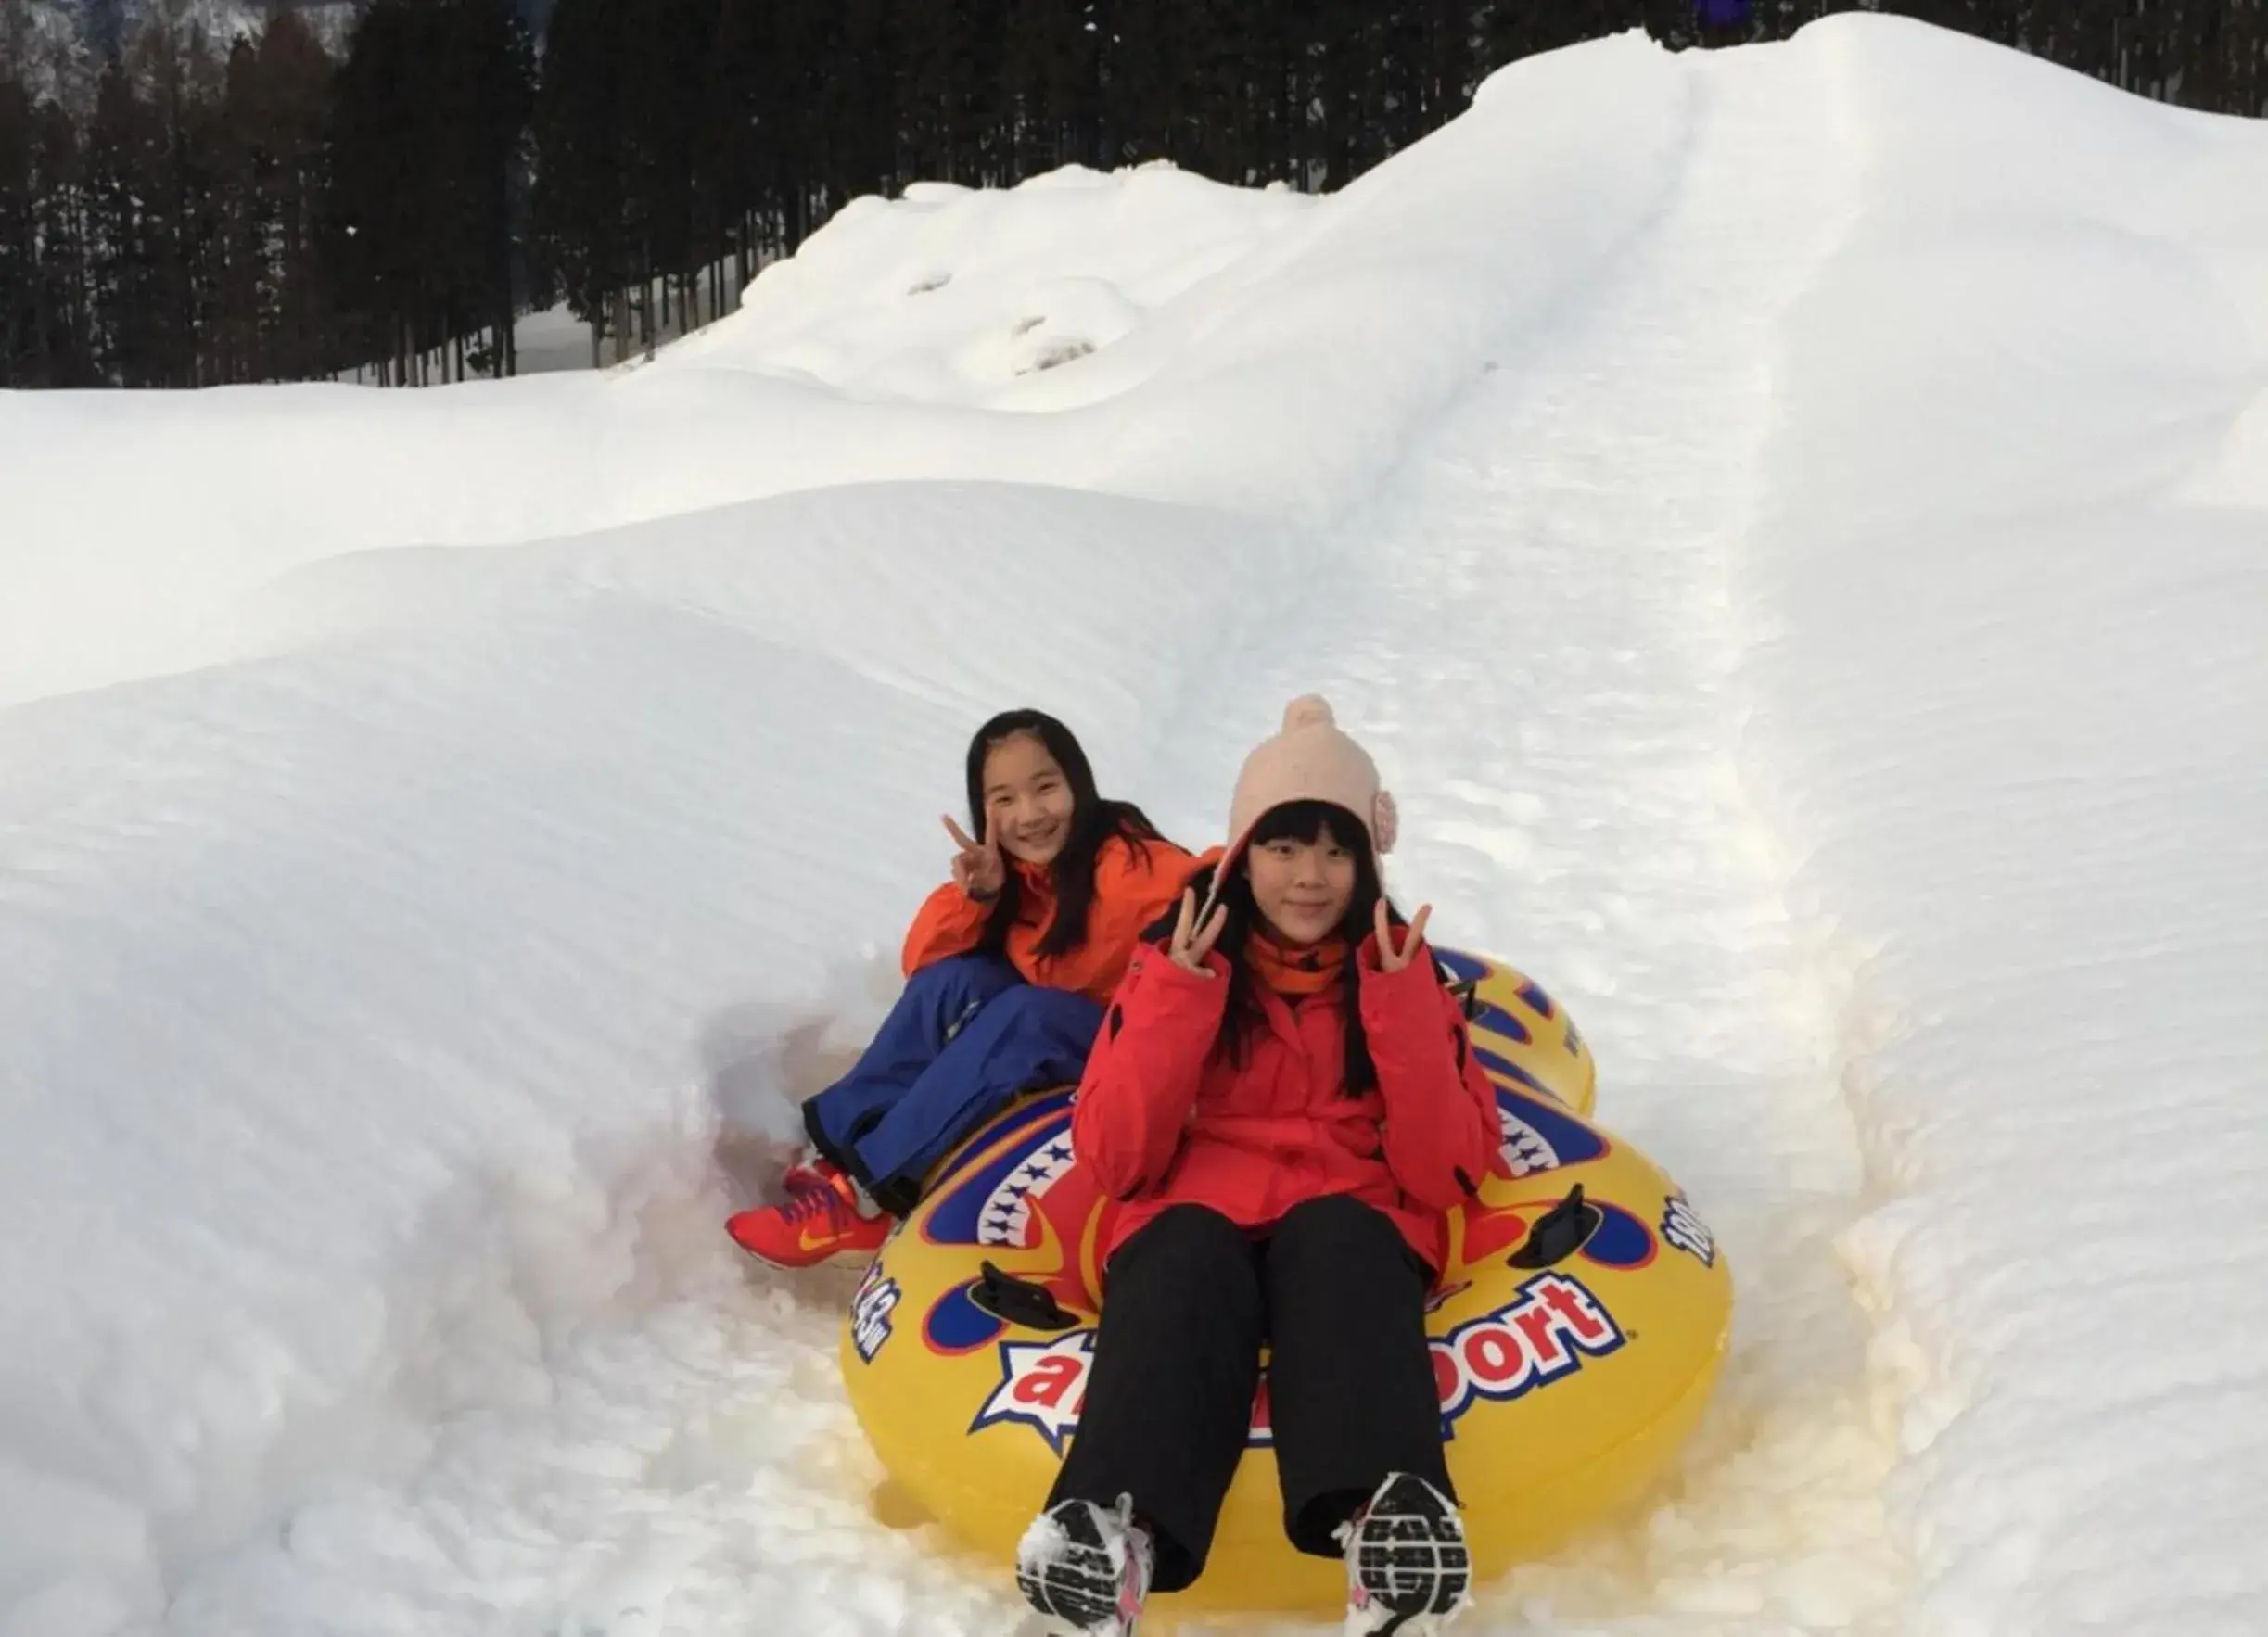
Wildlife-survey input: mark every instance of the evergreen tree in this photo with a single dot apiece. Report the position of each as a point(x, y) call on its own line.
point(63, 318)
point(477, 108)
point(119, 144)
point(742, 121)
point(583, 170)
point(289, 130)
point(20, 347)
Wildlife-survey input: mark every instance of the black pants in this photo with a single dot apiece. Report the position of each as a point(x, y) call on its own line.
point(1341, 1302)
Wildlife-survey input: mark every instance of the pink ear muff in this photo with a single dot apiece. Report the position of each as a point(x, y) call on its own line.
point(1385, 820)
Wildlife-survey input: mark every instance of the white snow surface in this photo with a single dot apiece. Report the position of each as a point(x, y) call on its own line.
point(1791, 524)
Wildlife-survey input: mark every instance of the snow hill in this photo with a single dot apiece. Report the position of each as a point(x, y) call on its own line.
point(1791, 524)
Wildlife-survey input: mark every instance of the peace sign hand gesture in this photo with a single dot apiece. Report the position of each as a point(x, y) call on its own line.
point(1390, 959)
point(1192, 944)
point(977, 869)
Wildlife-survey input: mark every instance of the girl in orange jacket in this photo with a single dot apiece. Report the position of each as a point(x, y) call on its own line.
point(1008, 965)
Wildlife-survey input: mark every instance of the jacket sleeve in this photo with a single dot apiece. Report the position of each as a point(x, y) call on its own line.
point(1442, 1130)
point(1142, 1079)
point(949, 923)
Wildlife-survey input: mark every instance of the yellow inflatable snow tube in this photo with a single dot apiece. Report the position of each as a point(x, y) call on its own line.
point(1576, 1332)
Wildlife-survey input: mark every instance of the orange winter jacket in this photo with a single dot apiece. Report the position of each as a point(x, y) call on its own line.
point(1134, 885)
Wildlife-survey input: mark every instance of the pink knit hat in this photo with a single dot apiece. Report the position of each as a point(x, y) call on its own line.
point(1311, 760)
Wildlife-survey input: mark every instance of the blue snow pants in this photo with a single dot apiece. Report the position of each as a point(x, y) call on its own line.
point(966, 1037)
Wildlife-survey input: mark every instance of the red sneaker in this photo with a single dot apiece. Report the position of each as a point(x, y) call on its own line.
point(816, 1225)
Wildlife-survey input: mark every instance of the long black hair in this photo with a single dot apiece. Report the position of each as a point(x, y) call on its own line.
point(1093, 822)
point(1296, 821)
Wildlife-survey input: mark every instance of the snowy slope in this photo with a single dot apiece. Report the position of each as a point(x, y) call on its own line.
point(1787, 522)
point(2013, 688)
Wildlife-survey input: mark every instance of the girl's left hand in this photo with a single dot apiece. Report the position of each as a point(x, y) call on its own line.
point(1390, 959)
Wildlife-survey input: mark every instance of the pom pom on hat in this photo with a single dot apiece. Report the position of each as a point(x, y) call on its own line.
point(1309, 710)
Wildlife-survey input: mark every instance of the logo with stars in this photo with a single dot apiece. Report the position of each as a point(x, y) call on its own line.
point(1006, 1218)
point(1526, 1150)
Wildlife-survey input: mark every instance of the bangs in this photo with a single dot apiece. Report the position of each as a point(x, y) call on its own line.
point(1311, 822)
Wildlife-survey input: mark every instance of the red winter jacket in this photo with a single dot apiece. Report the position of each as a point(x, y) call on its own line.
point(1165, 1118)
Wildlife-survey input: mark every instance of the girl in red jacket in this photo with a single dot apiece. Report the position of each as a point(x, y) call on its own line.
point(1284, 1098)
point(1007, 968)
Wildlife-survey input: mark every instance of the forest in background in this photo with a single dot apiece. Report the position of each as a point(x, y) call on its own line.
point(390, 192)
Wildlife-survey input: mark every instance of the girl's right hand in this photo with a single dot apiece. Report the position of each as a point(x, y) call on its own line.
point(977, 869)
point(1191, 943)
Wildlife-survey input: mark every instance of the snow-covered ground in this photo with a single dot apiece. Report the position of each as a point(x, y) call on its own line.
point(1793, 526)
